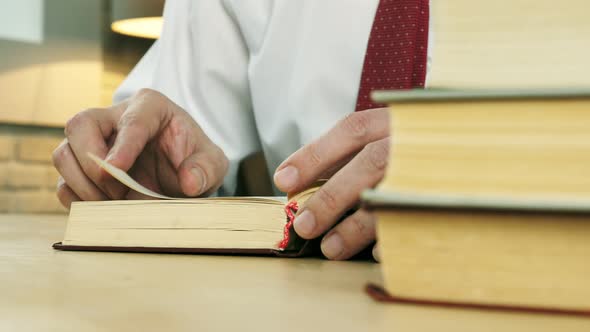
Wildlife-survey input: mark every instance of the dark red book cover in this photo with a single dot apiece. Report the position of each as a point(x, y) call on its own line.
point(381, 295)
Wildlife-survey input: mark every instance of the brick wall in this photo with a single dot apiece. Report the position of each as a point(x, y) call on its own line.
point(27, 176)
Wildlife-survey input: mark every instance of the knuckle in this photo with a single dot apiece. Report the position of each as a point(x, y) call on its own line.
point(59, 155)
point(359, 226)
point(327, 199)
point(156, 102)
point(314, 158)
point(76, 122)
point(362, 225)
point(375, 155)
point(131, 120)
point(146, 93)
point(128, 119)
point(154, 97)
point(357, 124)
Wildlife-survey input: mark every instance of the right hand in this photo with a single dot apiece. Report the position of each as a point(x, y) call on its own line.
point(151, 138)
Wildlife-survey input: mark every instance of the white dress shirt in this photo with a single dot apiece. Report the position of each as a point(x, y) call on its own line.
point(268, 75)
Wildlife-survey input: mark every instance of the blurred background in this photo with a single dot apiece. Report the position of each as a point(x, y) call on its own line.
point(58, 57)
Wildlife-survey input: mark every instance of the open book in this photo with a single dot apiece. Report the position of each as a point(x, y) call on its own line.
point(234, 225)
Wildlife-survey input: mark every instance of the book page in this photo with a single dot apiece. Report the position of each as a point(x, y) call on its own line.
point(125, 179)
point(128, 181)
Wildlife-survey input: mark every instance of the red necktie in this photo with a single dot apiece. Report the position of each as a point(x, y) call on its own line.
point(396, 52)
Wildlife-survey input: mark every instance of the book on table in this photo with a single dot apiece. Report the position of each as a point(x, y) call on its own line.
point(486, 199)
point(232, 225)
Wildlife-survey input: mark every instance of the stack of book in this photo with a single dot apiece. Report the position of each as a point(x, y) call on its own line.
point(486, 200)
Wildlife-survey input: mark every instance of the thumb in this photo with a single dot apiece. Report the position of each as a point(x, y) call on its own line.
point(202, 172)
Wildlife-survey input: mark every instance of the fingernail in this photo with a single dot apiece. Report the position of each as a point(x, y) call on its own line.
point(376, 252)
point(60, 182)
point(198, 173)
point(305, 224)
point(286, 178)
point(332, 246)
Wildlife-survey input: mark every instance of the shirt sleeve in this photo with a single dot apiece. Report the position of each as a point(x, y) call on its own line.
point(201, 63)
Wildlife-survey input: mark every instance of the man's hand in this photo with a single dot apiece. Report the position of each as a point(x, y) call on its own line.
point(149, 136)
point(353, 155)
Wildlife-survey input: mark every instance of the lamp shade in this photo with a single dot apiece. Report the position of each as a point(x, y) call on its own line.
point(137, 18)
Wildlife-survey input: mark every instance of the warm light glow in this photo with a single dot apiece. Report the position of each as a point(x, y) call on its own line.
point(143, 27)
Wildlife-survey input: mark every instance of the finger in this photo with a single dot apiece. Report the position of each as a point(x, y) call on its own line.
point(89, 131)
point(348, 137)
point(191, 162)
point(337, 167)
point(146, 114)
point(342, 191)
point(350, 236)
point(65, 194)
point(202, 172)
point(376, 252)
point(68, 167)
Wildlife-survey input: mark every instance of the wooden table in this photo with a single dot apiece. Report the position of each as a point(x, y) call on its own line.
point(46, 290)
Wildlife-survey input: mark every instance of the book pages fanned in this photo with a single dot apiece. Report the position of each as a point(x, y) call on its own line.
point(128, 181)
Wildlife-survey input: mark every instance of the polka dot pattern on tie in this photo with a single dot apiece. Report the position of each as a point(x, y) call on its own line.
point(396, 50)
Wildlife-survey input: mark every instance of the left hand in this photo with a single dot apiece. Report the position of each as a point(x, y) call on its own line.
point(353, 155)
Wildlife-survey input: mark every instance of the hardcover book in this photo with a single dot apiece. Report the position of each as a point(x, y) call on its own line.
point(230, 225)
point(486, 200)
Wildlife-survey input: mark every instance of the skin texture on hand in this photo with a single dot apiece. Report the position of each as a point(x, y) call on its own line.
point(353, 155)
point(148, 136)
